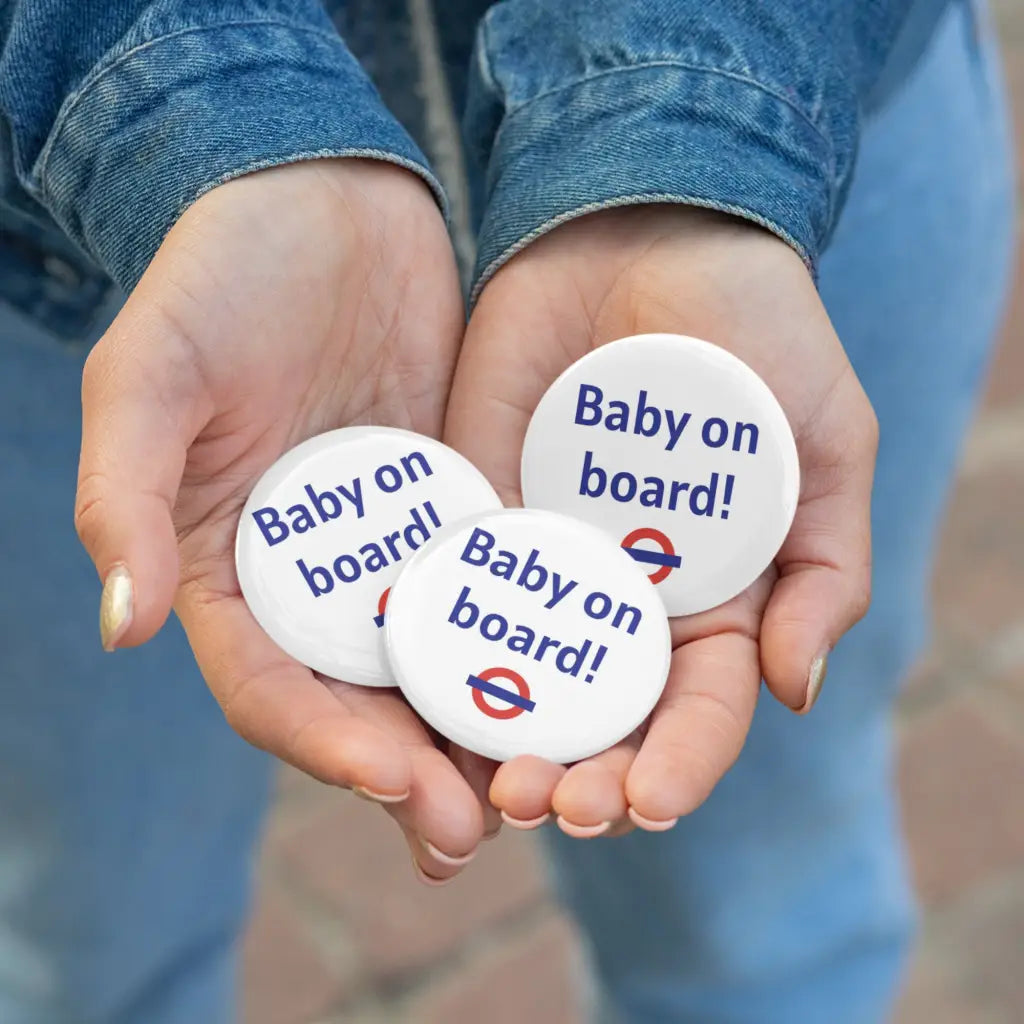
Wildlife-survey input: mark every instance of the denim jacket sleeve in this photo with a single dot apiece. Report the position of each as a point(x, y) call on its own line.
point(119, 115)
point(746, 106)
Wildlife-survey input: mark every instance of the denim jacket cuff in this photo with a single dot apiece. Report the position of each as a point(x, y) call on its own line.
point(656, 133)
point(174, 117)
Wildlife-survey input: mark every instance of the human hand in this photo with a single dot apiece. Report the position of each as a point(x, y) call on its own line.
point(282, 304)
point(651, 269)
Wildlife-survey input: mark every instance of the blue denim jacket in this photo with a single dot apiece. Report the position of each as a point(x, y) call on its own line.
point(115, 115)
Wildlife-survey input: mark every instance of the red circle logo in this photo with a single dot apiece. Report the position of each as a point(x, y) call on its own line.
point(381, 605)
point(518, 701)
point(666, 558)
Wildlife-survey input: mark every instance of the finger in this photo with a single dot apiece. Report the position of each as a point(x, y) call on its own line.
point(591, 797)
point(141, 409)
point(441, 820)
point(696, 730)
point(479, 774)
point(824, 567)
point(522, 790)
point(441, 816)
point(280, 706)
point(426, 866)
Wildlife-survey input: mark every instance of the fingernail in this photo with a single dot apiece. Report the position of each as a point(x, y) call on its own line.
point(815, 679)
point(583, 831)
point(651, 824)
point(526, 824)
point(428, 879)
point(379, 798)
point(445, 858)
point(115, 607)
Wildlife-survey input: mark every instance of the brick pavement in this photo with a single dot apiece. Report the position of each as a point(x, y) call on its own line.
point(342, 934)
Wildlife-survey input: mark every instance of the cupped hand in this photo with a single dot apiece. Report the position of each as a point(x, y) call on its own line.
point(280, 305)
point(652, 269)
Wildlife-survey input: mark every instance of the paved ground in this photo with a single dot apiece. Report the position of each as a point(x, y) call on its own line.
point(343, 935)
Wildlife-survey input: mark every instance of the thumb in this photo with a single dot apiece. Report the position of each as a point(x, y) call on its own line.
point(140, 412)
point(824, 583)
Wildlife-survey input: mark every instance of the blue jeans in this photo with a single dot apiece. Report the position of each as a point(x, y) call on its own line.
point(129, 811)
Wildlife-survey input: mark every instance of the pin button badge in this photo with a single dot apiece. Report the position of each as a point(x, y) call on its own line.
point(680, 452)
point(328, 528)
point(527, 632)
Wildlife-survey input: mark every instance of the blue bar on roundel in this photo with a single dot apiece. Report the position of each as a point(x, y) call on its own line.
point(511, 696)
point(656, 557)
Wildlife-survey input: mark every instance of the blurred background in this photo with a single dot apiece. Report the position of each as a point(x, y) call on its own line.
point(342, 934)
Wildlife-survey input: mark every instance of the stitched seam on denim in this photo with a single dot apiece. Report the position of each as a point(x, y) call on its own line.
point(301, 156)
point(637, 199)
point(680, 66)
point(831, 198)
point(75, 98)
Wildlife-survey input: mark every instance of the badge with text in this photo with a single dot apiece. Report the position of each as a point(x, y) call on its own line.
point(327, 530)
point(526, 632)
point(680, 452)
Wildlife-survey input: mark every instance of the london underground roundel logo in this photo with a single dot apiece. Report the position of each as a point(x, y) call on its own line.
point(664, 556)
point(513, 701)
point(381, 605)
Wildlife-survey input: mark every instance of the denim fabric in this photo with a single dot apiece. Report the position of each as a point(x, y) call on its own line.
point(128, 809)
point(114, 117)
point(118, 115)
point(749, 107)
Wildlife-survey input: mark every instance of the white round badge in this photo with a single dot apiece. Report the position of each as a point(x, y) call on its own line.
point(327, 530)
point(526, 632)
point(680, 452)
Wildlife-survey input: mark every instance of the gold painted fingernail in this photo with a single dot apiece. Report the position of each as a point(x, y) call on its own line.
point(115, 607)
point(815, 679)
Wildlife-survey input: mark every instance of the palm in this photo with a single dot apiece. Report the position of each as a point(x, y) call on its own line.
point(288, 303)
point(637, 271)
